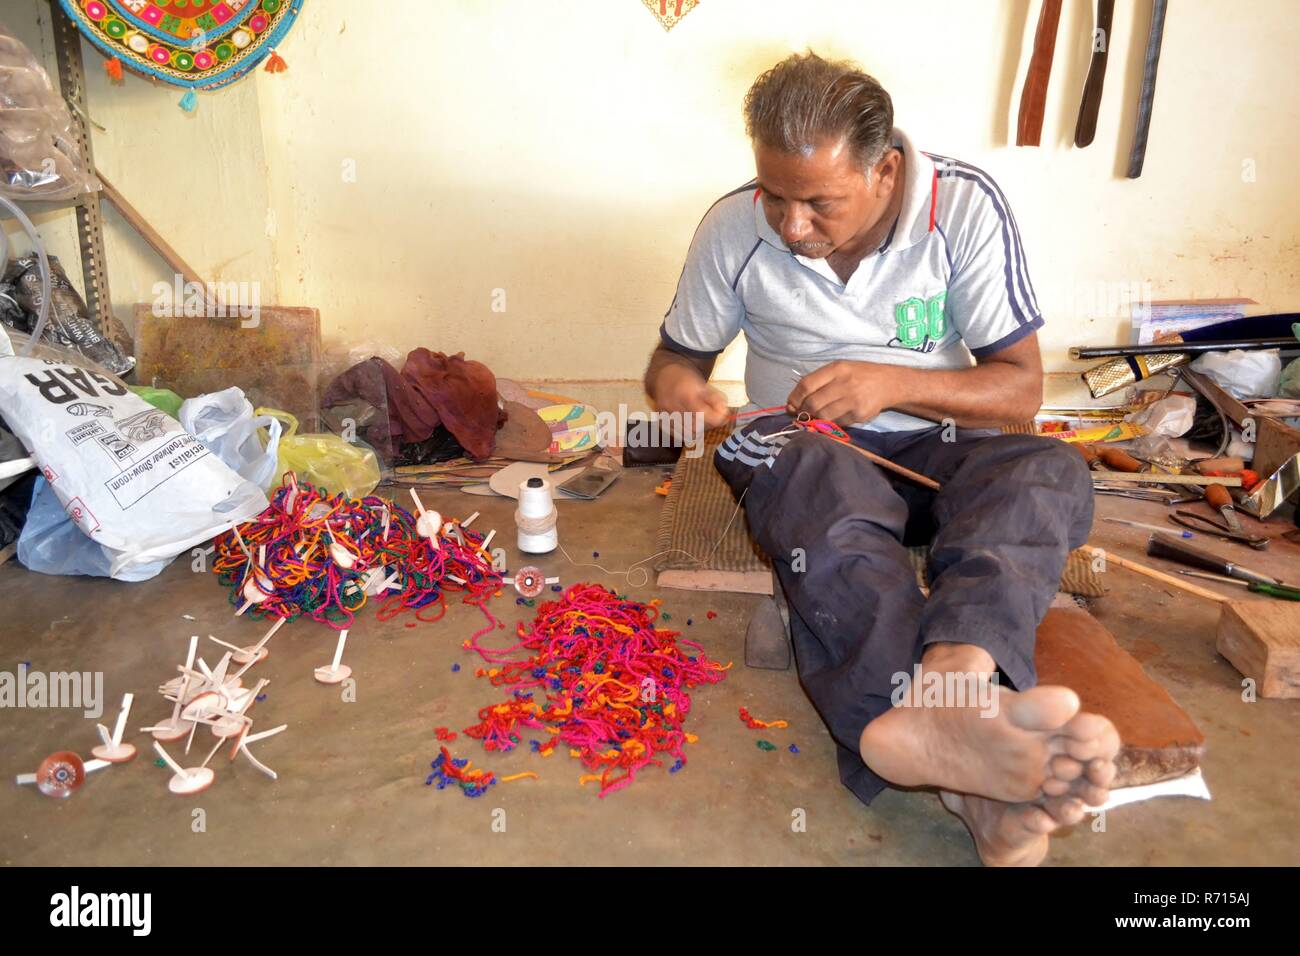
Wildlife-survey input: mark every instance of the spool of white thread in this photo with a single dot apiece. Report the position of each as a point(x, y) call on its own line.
point(535, 517)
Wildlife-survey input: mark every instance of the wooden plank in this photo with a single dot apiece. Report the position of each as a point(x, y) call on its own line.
point(1155, 478)
point(740, 582)
point(276, 361)
point(1159, 740)
point(149, 234)
point(1275, 443)
point(1262, 640)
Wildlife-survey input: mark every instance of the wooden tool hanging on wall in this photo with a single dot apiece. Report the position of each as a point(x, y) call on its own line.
point(1033, 98)
point(1149, 65)
point(1086, 127)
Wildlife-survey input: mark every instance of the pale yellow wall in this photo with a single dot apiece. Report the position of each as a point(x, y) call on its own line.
point(564, 152)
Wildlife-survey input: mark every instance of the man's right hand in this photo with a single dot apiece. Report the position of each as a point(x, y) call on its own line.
point(683, 389)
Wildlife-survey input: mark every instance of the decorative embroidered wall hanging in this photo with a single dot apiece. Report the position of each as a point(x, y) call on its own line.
point(670, 12)
point(193, 44)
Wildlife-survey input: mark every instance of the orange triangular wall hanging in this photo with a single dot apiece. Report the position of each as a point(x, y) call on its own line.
point(670, 12)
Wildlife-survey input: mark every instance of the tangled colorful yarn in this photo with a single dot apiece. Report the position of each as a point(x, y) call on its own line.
point(309, 554)
point(601, 680)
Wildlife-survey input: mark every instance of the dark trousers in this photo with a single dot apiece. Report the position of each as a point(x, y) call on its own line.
point(836, 527)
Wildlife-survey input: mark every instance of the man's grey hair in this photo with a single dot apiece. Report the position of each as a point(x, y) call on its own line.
point(805, 100)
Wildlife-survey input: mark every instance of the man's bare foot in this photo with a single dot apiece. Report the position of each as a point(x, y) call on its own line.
point(1014, 747)
point(1085, 766)
point(1012, 834)
point(1004, 757)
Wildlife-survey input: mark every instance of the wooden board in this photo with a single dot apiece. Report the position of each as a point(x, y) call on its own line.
point(1159, 740)
point(1156, 478)
point(741, 582)
point(1262, 640)
point(276, 363)
point(1275, 440)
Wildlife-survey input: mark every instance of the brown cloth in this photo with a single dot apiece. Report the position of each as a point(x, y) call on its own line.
point(432, 389)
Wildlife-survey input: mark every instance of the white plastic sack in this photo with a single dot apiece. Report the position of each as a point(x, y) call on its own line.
point(224, 421)
point(126, 473)
point(1242, 374)
point(51, 544)
point(1169, 417)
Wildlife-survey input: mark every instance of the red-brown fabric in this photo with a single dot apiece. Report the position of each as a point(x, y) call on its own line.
point(432, 389)
point(464, 394)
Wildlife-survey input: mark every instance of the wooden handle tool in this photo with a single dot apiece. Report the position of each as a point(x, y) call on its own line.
point(1217, 497)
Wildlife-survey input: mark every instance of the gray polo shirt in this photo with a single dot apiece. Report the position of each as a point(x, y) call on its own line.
point(948, 282)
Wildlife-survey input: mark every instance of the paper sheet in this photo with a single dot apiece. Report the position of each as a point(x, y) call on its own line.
point(1190, 784)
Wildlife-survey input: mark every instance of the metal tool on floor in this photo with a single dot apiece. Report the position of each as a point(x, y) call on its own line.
point(1172, 549)
point(1149, 527)
point(1272, 590)
point(1199, 522)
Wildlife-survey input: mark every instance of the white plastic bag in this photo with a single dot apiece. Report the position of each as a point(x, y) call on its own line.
point(126, 473)
point(1242, 374)
point(224, 421)
point(1169, 417)
point(51, 544)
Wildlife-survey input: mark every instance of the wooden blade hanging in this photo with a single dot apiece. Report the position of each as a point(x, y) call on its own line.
point(1149, 66)
point(1033, 98)
point(1086, 127)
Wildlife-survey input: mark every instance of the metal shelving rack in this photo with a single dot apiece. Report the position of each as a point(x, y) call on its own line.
point(90, 222)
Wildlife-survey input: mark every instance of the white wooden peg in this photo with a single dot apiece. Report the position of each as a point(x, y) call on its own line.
point(112, 748)
point(186, 781)
point(428, 523)
point(253, 738)
point(336, 672)
point(248, 656)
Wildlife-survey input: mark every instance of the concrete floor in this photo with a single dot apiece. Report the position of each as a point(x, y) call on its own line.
point(351, 787)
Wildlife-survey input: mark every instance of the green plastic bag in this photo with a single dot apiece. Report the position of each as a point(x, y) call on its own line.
point(325, 460)
point(163, 399)
point(1289, 386)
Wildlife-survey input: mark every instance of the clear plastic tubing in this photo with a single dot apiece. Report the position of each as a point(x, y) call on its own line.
point(39, 247)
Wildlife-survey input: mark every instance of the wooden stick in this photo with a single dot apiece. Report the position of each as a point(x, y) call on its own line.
point(899, 469)
point(154, 239)
point(1157, 575)
point(1161, 479)
point(120, 726)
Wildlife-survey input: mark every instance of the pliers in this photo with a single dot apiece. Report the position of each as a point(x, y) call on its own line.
point(1199, 522)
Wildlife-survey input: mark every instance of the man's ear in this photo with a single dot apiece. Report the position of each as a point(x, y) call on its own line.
point(885, 173)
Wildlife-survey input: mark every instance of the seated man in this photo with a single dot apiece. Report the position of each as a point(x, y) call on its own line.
point(865, 275)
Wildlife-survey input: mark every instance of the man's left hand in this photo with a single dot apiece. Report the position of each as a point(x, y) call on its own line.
point(847, 392)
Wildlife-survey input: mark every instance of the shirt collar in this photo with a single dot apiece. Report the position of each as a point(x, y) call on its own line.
point(913, 219)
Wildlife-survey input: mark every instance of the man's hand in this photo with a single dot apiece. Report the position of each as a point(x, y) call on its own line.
point(679, 388)
point(846, 392)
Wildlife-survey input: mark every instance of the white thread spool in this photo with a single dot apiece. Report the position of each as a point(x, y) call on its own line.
point(536, 517)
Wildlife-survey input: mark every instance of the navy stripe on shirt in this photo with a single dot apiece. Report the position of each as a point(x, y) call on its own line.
point(999, 200)
point(672, 345)
point(1008, 242)
point(752, 184)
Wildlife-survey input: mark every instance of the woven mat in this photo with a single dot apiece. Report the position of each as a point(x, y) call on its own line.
point(699, 505)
